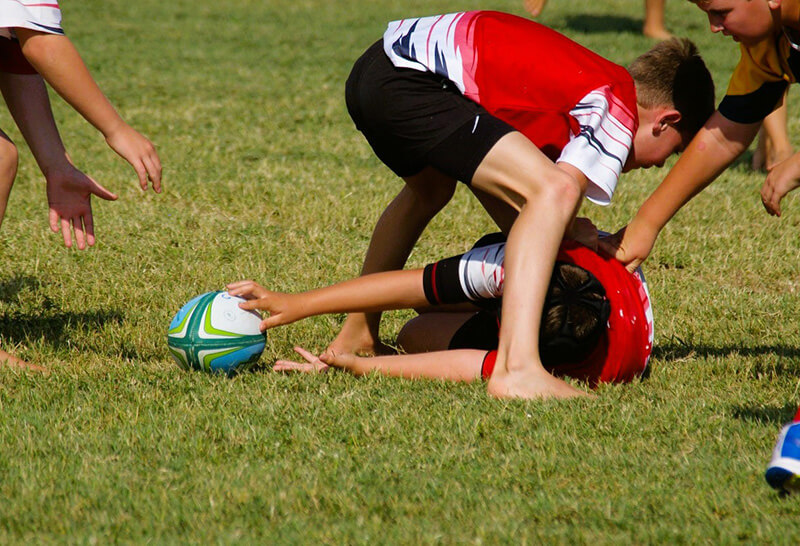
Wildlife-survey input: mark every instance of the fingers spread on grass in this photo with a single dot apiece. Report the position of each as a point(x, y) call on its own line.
point(312, 365)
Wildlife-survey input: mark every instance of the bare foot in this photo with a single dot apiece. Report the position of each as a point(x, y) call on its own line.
point(534, 7)
point(356, 337)
point(524, 384)
point(656, 32)
point(11, 360)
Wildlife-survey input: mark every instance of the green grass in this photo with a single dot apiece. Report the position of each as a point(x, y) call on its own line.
point(266, 178)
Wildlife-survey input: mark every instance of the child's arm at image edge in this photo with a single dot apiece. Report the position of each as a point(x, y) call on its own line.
point(60, 64)
point(69, 190)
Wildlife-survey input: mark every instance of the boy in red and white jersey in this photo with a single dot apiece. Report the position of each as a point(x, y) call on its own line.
point(531, 122)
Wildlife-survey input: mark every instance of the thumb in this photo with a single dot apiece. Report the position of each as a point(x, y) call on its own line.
point(101, 192)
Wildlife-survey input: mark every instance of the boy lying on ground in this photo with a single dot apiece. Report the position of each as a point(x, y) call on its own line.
point(597, 324)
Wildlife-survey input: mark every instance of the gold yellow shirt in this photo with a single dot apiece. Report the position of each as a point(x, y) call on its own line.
point(760, 79)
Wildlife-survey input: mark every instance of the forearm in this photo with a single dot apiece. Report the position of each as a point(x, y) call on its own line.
point(458, 365)
point(57, 60)
point(29, 104)
point(711, 151)
point(375, 292)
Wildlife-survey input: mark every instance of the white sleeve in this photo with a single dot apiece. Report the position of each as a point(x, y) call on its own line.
point(481, 272)
point(601, 148)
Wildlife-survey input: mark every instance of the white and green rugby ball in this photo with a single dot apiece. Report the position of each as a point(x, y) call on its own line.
point(211, 333)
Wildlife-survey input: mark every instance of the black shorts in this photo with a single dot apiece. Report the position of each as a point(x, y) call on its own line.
point(481, 331)
point(415, 119)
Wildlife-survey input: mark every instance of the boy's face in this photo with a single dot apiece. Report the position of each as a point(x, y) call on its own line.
point(746, 21)
point(652, 145)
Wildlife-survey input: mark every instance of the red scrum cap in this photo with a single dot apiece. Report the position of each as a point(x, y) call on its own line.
point(623, 350)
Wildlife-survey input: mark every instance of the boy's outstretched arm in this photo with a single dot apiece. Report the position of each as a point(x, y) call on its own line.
point(457, 365)
point(375, 292)
point(69, 190)
point(710, 152)
point(57, 60)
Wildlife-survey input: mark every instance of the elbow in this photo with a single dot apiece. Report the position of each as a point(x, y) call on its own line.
point(9, 159)
point(38, 51)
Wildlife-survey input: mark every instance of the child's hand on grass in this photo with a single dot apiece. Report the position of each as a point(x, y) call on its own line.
point(313, 363)
point(69, 193)
point(139, 152)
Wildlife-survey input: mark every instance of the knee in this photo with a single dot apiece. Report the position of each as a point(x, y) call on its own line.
point(405, 338)
point(562, 192)
point(408, 339)
point(9, 158)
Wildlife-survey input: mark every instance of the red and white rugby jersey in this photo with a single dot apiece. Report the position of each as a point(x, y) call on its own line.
point(42, 15)
point(574, 105)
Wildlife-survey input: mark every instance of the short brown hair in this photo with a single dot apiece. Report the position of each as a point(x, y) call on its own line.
point(673, 73)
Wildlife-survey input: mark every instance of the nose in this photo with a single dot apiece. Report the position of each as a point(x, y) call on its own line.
point(715, 23)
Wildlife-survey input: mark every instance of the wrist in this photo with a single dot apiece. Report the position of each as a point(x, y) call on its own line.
point(650, 219)
point(54, 166)
point(113, 127)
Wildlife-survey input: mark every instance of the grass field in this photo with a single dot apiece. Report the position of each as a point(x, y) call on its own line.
point(266, 178)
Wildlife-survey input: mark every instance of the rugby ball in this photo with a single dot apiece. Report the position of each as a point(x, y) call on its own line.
point(211, 333)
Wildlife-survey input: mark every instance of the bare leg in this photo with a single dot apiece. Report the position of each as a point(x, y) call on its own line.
point(395, 235)
point(534, 7)
point(8, 171)
point(502, 213)
point(431, 331)
point(518, 173)
point(654, 20)
point(773, 140)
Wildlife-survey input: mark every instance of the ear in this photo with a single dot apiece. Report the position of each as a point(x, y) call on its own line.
point(666, 119)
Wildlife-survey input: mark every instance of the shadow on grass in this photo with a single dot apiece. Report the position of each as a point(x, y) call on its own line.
point(64, 331)
point(53, 327)
point(681, 351)
point(773, 415)
point(9, 288)
point(593, 23)
point(67, 332)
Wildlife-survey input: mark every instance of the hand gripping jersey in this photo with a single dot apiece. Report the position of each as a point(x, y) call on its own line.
point(574, 105)
point(44, 16)
point(623, 350)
